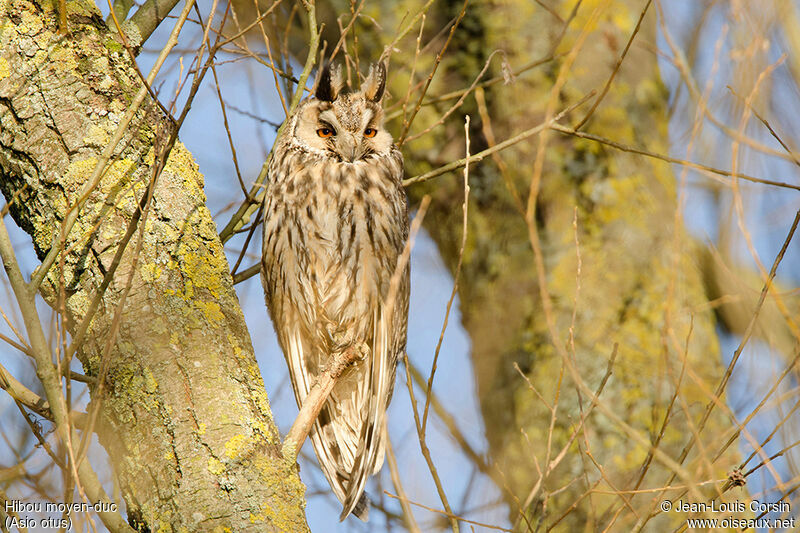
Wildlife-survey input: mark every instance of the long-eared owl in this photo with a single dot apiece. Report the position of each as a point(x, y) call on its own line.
point(335, 224)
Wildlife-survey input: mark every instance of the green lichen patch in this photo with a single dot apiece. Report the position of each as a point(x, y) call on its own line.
point(202, 271)
point(182, 163)
point(113, 45)
point(202, 287)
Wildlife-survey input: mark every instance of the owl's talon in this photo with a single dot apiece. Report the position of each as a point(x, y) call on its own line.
point(355, 353)
point(363, 351)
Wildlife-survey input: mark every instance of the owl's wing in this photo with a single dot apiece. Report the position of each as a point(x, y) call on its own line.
point(327, 449)
point(388, 341)
point(372, 430)
point(335, 437)
point(296, 344)
point(335, 434)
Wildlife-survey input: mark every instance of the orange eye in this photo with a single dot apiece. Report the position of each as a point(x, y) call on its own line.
point(325, 132)
point(370, 132)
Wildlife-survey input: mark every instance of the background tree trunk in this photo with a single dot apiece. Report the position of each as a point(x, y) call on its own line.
point(639, 286)
point(183, 411)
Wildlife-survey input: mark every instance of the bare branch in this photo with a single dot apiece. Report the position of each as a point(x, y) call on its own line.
point(317, 396)
point(480, 156)
point(148, 17)
point(33, 401)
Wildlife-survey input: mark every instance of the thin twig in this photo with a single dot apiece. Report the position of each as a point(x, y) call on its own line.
point(246, 209)
point(456, 277)
point(480, 156)
point(616, 68)
point(488, 133)
point(450, 515)
point(392, 112)
point(420, 432)
point(22, 394)
point(394, 472)
point(437, 60)
point(247, 273)
point(741, 425)
point(552, 464)
point(440, 120)
point(668, 159)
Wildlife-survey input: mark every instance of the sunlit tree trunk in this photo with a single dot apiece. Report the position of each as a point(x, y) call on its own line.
point(183, 413)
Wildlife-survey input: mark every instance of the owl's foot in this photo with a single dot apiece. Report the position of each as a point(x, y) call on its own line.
point(362, 351)
point(341, 341)
point(346, 355)
point(338, 338)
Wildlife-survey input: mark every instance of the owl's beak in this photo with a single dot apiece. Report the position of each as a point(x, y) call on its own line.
point(349, 146)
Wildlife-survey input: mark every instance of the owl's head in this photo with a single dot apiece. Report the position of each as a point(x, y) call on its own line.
point(346, 126)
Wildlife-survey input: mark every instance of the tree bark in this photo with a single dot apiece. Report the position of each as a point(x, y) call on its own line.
point(183, 413)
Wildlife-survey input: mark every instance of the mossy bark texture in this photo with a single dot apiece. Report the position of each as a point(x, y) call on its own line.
point(638, 285)
point(183, 411)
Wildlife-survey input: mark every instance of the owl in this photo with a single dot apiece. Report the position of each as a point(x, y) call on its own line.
point(335, 225)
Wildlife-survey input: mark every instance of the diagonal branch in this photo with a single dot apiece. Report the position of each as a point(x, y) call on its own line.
point(22, 394)
point(317, 396)
point(121, 8)
point(148, 17)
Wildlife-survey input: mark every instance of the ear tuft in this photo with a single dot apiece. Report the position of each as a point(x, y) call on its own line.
point(375, 83)
point(330, 83)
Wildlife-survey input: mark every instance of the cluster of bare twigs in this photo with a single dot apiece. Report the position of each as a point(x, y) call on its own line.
point(49, 431)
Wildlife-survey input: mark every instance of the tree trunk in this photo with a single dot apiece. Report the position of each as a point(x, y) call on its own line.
point(183, 411)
